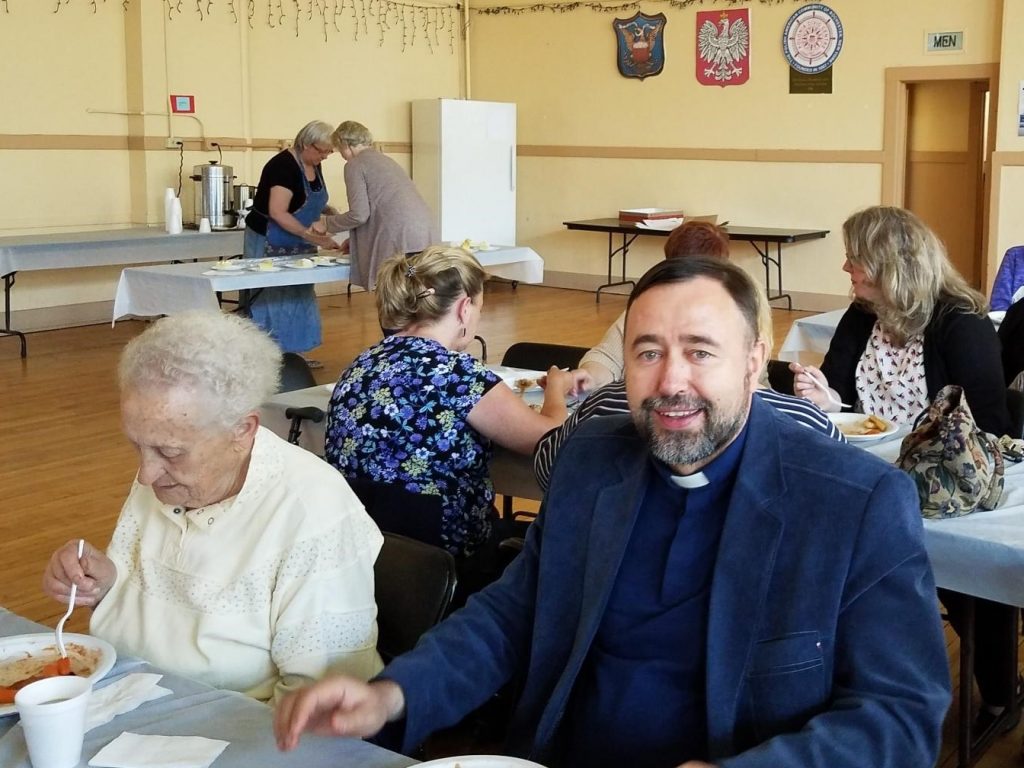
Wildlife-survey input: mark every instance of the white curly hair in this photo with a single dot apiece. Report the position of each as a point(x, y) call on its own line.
point(226, 361)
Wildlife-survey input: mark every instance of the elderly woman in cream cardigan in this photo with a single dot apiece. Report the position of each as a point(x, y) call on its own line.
point(238, 559)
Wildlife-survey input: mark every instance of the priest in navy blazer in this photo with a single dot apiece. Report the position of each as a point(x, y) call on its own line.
point(823, 644)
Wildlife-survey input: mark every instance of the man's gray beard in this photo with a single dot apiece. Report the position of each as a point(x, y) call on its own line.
point(680, 448)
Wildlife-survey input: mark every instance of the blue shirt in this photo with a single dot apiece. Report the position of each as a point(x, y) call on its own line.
point(640, 697)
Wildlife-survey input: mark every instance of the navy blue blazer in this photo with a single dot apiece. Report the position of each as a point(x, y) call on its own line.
point(824, 641)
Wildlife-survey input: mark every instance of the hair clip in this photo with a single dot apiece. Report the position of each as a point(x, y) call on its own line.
point(410, 271)
point(424, 294)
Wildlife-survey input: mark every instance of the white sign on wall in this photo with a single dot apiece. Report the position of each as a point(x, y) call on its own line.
point(944, 42)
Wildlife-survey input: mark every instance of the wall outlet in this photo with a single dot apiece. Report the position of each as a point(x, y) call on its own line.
point(173, 142)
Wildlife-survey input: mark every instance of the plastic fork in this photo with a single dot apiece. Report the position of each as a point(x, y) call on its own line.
point(71, 607)
point(826, 390)
point(828, 393)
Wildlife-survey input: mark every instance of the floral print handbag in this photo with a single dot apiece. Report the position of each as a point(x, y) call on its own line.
point(956, 466)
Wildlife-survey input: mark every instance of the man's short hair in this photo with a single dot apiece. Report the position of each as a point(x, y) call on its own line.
point(738, 284)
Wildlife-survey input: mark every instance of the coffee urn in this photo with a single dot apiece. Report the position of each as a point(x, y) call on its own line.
point(213, 194)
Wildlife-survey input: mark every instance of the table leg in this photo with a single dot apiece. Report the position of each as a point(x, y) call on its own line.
point(767, 259)
point(627, 240)
point(7, 330)
point(972, 746)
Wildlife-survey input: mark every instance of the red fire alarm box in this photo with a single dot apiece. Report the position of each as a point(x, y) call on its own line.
point(183, 104)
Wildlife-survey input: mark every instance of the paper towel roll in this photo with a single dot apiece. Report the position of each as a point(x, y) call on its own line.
point(174, 220)
point(168, 203)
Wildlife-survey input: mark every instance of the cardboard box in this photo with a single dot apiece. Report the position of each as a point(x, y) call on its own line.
point(648, 214)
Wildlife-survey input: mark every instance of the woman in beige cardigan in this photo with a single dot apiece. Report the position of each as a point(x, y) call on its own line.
point(386, 214)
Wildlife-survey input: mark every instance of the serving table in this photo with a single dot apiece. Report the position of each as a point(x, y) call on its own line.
point(170, 288)
point(760, 238)
point(196, 709)
point(68, 250)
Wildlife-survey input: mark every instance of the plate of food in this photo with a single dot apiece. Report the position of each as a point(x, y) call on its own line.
point(228, 266)
point(265, 266)
point(521, 380)
point(860, 427)
point(480, 761)
point(27, 658)
point(300, 264)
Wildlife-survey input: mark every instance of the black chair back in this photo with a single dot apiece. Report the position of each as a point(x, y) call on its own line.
point(295, 373)
point(396, 510)
point(414, 584)
point(1011, 337)
point(780, 377)
point(1015, 405)
point(538, 356)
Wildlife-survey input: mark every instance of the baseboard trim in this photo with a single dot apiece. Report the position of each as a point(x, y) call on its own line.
point(100, 312)
point(577, 281)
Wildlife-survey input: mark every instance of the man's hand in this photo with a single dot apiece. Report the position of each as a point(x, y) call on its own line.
point(94, 573)
point(337, 706)
point(696, 764)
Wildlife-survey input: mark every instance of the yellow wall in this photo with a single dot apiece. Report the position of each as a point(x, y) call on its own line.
point(570, 93)
point(752, 154)
point(250, 84)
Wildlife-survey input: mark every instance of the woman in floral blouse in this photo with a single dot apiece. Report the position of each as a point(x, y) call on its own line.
point(418, 411)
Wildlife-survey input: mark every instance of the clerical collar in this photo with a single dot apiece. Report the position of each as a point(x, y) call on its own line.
point(720, 468)
point(696, 480)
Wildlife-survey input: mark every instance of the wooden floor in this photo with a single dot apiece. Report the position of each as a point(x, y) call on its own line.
point(65, 468)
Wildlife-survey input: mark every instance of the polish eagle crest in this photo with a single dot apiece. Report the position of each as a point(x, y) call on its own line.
point(721, 49)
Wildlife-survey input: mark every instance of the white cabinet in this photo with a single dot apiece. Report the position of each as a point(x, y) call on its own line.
point(464, 165)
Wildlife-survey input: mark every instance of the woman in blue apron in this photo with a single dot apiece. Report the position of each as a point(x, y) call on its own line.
point(287, 204)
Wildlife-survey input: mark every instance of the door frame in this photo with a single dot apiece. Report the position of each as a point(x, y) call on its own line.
point(894, 140)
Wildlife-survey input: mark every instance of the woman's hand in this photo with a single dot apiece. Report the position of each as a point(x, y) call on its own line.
point(94, 573)
point(346, 246)
point(804, 386)
point(337, 706)
point(324, 241)
point(582, 381)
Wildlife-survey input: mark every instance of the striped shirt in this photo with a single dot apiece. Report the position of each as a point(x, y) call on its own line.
point(610, 400)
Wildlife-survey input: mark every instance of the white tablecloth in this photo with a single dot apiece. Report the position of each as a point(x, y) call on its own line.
point(511, 473)
point(170, 288)
point(814, 333)
point(196, 709)
point(64, 250)
point(810, 334)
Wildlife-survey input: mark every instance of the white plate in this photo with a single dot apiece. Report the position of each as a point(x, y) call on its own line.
point(95, 653)
point(488, 248)
point(510, 375)
point(480, 761)
point(293, 265)
point(257, 269)
point(228, 267)
point(846, 419)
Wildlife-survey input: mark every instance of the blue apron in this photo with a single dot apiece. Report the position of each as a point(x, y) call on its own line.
point(290, 313)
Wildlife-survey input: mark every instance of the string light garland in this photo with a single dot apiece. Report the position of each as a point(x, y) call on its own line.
point(418, 21)
point(600, 7)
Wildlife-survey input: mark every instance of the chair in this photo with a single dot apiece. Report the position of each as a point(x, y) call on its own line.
point(538, 356)
point(780, 377)
point(414, 584)
point(396, 510)
point(295, 373)
point(1015, 405)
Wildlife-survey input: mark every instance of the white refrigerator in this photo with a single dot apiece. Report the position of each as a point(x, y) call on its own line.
point(464, 165)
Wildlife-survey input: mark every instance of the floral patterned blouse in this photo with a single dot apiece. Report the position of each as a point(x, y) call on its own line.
point(398, 415)
point(890, 378)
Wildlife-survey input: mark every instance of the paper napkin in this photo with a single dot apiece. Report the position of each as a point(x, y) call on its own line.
point(124, 695)
point(133, 750)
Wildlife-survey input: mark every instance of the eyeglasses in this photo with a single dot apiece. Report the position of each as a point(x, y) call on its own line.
point(323, 150)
